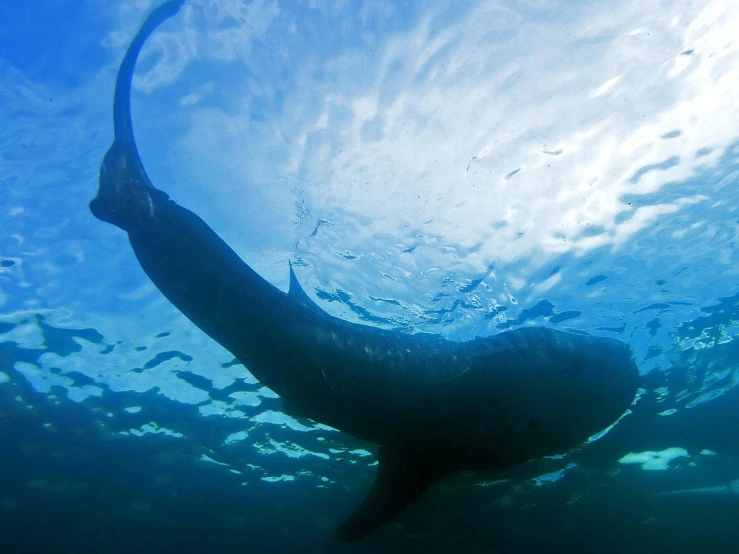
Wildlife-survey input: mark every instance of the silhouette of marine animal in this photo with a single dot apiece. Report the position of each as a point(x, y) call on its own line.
point(434, 407)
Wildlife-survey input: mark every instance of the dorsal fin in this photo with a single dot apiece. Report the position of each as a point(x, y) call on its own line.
point(296, 292)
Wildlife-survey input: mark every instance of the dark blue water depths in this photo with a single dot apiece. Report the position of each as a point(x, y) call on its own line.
point(77, 477)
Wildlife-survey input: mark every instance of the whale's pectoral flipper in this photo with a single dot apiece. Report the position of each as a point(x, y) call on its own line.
point(402, 477)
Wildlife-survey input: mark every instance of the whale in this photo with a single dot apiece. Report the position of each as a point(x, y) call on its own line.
point(432, 407)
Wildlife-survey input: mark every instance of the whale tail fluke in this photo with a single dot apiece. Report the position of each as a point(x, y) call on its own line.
point(125, 195)
point(126, 198)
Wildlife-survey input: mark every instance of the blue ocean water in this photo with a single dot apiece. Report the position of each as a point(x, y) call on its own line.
point(460, 170)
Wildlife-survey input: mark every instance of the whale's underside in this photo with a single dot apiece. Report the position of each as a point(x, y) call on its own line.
point(434, 407)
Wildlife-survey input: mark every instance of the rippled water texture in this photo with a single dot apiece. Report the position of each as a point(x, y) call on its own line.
point(454, 169)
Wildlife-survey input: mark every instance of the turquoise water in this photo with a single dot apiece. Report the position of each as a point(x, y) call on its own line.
point(457, 171)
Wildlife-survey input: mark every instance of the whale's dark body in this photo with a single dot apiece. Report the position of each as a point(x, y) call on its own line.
point(433, 406)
